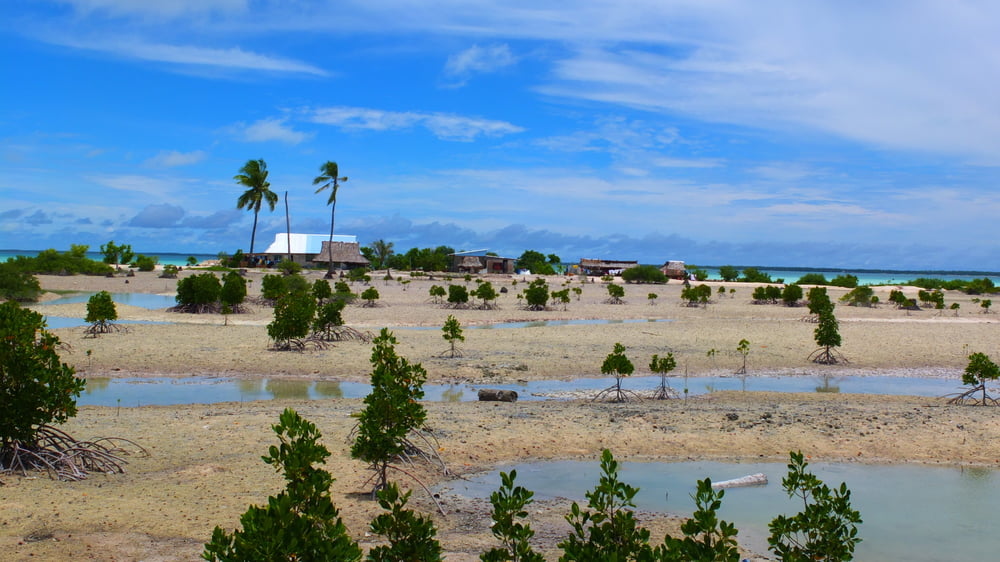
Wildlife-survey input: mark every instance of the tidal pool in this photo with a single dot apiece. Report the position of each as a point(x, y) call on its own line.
point(913, 513)
point(144, 391)
point(143, 300)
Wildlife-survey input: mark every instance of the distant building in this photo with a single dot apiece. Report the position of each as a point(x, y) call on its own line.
point(477, 261)
point(674, 269)
point(306, 249)
point(605, 267)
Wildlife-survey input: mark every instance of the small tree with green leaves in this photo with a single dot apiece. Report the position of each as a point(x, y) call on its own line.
point(411, 536)
point(101, 314)
point(233, 292)
point(980, 370)
point(536, 295)
point(791, 295)
point(696, 295)
point(198, 294)
point(619, 366)
point(860, 296)
point(393, 415)
point(818, 301)
point(578, 291)
point(369, 295)
point(437, 292)
point(651, 297)
point(17, 285)
point(663, 366)
point(985, 304)
point(487, 294)
point(37, 391)
point(561, 297)
point(616, 294)
point(293, 320)
point(458, 296)
point(115, 254)
point(706, 538)
point(510, 505)
point(329, 324)
point(743, 349)
point(301, 522)
point(321, 290)
point(729, 273)
point(827, 526)
point(607, 529)
point(453, 334)
point(955, 306)
point(827, 336)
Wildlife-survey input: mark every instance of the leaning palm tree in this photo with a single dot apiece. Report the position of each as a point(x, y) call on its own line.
point(253, 175)
point(330, 177)
point(383, 251)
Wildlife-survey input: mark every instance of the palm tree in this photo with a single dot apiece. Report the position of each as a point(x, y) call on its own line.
point(253, 175)
point(382, 250)
point(330, 177)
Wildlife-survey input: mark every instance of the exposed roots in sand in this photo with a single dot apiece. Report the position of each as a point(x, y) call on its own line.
point(343, 333)
point(65, 458)
point(828, 356)
point(970, 398)
point(313, 342)
point(103, 327)
point(616, 394)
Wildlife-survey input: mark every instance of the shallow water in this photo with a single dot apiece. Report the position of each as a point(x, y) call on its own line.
point(130, 392)
point(913, 513)
point(143, 300)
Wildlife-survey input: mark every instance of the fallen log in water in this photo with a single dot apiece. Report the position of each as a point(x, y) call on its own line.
point(497, 395)
point(759, 479)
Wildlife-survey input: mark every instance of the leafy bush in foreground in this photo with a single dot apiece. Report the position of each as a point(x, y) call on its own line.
point(17, 285)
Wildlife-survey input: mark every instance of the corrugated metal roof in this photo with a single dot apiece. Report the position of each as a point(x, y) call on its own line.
point(304, 243)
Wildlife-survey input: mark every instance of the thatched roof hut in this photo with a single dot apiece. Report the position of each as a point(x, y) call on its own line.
point(674, 269)
point(345, 253)
point(471, 264)
point(605, 267)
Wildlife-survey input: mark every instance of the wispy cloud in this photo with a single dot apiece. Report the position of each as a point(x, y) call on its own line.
point(443, 125)
point(477, 60)
point(271, 130)
point(173, 158)
point(157, 216)
point(156, 9)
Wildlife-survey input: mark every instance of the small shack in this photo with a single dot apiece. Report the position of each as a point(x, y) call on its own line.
point(302, 248)
point(605, 267)
point(674, 269)
point(480, 261)
point(342, 255)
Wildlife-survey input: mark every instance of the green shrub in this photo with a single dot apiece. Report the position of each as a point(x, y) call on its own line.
point(370, 295)
point(272, 286)
point(818, 299)
point(293, 320)
point(146, 263)
point(980, 286)
point(695, 295)
point(289, 267)
point(536, 295)
point(812, 279)
point(458, 295)
point(199, 293)
point(644, 274)
point(18, 285)
point(411, 536)
point(234, 290)
point(859, 296)
point(101, 312)
point(847, 281)
point(169, 271)
point(615, 293)
point(729, 273)
point(321, 290)
point(509, 507)
point(791, 295)
point(753, 275)
point(51, 262)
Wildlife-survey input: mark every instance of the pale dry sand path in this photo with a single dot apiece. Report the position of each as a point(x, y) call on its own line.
point(205, 464)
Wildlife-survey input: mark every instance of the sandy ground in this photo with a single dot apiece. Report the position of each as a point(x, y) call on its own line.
point(204, 465)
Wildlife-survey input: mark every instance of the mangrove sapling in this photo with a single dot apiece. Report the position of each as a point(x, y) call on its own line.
point(453, 334)
point(561, 296)
point(101, 314)
point(233, 293)
point(663, 366)
point(329, 324)
point(411, 536)
point(827, 335)
point(618, 365)
point(743, 349)
point(458, 296)
point(487, 293)
point(616, 294)
point(979, 370)
point(706, 537)
point(369, 295)
point(536, 295)
point(38, 391)
point(509, 508)
point(651, 297)
point(437, 292)
point(291, 329)
point(301, 522)
point(391, 428)
point(198, 294)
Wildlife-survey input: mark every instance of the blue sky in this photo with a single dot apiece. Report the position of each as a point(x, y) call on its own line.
point(841, 133)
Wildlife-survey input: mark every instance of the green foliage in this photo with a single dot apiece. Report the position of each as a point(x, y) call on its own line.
point(985, 304)
point(422, 259)
point(826, 528)
point(36, 388)
point(535, 262)
point(301, 522)
point(234, 290)
point(272, 286)
point(253, 176)
point(509, 508)
point(561, 296)
point(289, 267)
point(199, 290)
point(101, 309)
point(51, 262)
point(979, 370)
point(844, 280)
point(146, 263)
point(169, 271)
point(458, 295)
point(768, 294)
point(607, 530)
point(411, 536)
point(743, 348)
point(980, 286)
point(827, 336)
point(486, 292)
point(706, 538)
point(813, 279)
point(392, 408)
point(791, 295)
point(536, 295)
point(753, 275)
point(293, 319)
point(452, 333)
point(644, 274)
point(663, 365)
point(437, 292)
point(615, 293)
point(328, 317)
point(619, 366)
point(370, 295)
point(695, 295)
point(859, 296)
point(321, 290)
point(342, 291)
point(192, 261)
point(651, 297)
point(818, 300)
point(115, 254)
point(729, 273)
point(18, 285)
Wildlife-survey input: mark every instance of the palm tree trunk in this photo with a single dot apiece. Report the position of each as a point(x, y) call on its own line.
point(333, 210)
point(253, 233)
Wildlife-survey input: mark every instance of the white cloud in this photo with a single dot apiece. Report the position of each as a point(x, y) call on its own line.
point(158, 8)
point(173, 158)
point(272, 130)
point(443, 125)
point(479, 60)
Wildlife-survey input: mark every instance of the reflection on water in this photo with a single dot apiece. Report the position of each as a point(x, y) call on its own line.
point(912, 513)
point(206, 390)
point(143, 300)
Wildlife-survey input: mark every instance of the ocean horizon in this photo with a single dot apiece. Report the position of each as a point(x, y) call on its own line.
point(787, 274)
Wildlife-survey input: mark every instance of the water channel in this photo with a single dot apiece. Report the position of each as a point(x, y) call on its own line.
point(912, 513)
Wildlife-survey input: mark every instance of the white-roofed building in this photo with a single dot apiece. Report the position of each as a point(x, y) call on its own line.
point(303, 248)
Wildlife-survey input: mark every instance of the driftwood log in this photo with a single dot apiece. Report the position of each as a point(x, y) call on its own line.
point(759, 479)
point(497, 395)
